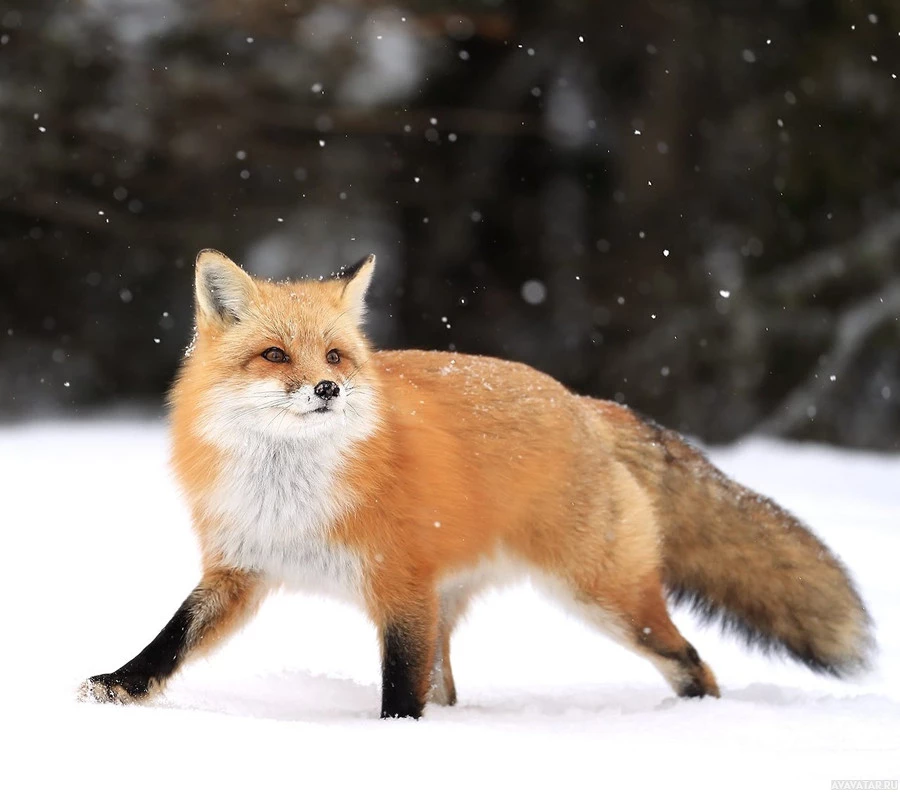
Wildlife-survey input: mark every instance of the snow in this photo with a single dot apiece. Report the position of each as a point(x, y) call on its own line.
point(98, 555)
point(534, 292)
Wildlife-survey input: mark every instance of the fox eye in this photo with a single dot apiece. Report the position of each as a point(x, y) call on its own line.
point(275, 355)
point(333, 357)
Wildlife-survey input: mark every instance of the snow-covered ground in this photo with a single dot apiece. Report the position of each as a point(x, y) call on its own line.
point(98, 553)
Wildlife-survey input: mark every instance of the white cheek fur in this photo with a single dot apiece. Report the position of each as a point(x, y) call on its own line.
point(279, 492)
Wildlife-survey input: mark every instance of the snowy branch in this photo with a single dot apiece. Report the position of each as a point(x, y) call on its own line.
point(813, 271)
point(853, 328)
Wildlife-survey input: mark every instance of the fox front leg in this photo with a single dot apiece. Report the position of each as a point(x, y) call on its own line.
point(222, 602)
point(408, 643)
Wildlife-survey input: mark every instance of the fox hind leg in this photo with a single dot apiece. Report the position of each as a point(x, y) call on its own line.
point(659, 639)
point(443, 688)
point(640, 621)
point(453, 606)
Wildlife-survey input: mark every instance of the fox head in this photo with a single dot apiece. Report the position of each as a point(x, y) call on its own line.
point(283, 359)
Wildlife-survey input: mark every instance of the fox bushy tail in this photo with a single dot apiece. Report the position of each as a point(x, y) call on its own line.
point(738, 557)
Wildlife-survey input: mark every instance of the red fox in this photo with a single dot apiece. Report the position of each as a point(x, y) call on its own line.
point(409, 481)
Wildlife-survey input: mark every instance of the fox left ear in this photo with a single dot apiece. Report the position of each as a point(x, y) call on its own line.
point(357, 280)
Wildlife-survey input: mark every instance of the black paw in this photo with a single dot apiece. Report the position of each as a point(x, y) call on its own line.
point(403, 709)
point(118, 688)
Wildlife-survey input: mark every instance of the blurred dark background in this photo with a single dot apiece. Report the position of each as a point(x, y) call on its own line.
point(692, 207)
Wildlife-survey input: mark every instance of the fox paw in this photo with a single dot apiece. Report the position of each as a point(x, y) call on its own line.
point(116, 688)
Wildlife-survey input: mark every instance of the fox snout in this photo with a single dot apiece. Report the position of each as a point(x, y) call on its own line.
point(324, 390)
point(319, 398)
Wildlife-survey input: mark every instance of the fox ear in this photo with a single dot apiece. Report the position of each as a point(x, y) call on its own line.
point(224, 291)
point(356, 283)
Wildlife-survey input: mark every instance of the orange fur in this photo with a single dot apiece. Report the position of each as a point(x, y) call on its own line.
point(455, 472)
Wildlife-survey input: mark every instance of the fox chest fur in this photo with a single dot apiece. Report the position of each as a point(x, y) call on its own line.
point(273, 506)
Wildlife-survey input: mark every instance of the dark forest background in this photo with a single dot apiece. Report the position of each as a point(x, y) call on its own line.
point(692, 207)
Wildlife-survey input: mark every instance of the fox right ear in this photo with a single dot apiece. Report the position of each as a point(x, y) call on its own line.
point(224, 291)
point(356, 283)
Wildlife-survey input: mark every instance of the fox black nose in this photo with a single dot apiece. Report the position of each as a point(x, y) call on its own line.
point(326, 389)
